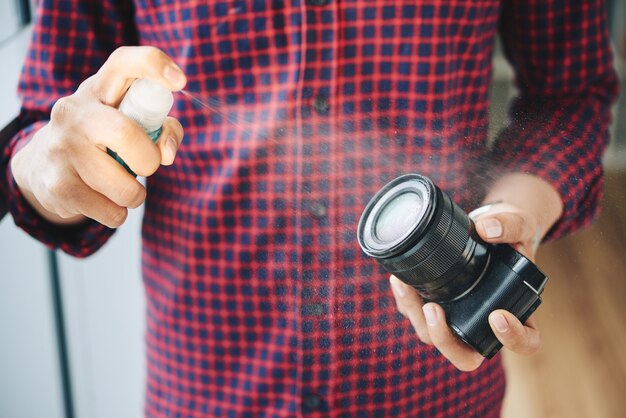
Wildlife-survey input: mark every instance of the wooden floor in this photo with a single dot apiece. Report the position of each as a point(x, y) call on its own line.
point(581, 368)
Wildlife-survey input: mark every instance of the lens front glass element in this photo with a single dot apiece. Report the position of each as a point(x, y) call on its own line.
point(398, 216)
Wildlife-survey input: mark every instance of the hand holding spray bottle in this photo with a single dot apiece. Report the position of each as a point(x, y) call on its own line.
point(147, 103)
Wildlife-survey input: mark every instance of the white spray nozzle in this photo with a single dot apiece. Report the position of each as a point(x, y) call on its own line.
point(147, 103)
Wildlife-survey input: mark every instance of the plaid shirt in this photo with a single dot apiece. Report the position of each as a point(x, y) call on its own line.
point(259, 301)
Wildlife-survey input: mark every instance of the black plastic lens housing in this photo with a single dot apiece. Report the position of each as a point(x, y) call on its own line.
point(417, 233)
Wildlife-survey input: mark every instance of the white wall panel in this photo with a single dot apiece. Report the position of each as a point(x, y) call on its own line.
point(104, 306)
point(29, 373)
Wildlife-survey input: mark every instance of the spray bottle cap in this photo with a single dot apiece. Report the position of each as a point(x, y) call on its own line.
point(147, 103)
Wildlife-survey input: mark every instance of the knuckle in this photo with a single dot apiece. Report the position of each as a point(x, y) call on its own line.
point(87, 86)
point(66, 212)
point(59, 188)
point(125, 130)
point(152, 54)
point(62, 111)
point(116, 217)
point(118, 53)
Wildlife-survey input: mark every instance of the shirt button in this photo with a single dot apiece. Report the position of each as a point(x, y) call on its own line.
point(318, 210)
point(321, 105)
point(311, 402)
point(317, 2)
point(280, 132)
point(313, 309)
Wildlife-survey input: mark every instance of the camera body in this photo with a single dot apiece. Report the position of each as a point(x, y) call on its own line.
point(417, 233)
point(510, 282)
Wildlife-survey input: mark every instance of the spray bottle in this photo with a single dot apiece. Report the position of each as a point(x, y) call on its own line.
point(147, 103)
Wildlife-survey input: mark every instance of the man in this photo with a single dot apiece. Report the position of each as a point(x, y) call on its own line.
point(259, 301)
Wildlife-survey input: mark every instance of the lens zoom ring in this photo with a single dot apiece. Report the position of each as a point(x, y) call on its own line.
point(447, 255)
point(435, 239)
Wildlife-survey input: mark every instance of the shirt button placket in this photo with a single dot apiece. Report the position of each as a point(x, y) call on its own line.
point(315, 304)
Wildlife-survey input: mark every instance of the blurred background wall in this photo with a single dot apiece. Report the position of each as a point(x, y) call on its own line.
point(101, 301)
point(95, 322)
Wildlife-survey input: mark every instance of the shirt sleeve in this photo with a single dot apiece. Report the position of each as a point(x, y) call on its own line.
point(71, 40)
point(558, 123)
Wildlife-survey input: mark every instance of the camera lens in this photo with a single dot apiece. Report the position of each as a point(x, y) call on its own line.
point(420, 235)
point(400, 214)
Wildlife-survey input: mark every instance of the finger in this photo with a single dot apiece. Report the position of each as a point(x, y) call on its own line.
point(80, 199)
point(410, 305)
point(399, 291)
point(113, 130)
point(104, 175)
point(504, 227)
point(513, 334)
point(460, 354)
point(169, 140)
point(126, 64)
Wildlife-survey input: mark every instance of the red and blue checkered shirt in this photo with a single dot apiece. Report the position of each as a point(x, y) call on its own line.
point(259, 301)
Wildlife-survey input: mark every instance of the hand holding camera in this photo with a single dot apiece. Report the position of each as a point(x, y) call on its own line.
point(443, 257)
point(428, 319)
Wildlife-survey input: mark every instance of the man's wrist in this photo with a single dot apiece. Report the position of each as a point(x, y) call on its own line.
point(532, 194)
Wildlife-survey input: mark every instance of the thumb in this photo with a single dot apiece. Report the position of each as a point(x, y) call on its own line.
point(505, 227)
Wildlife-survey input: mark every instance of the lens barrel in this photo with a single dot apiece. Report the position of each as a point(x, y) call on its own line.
point(417, 233)
point(438, 255)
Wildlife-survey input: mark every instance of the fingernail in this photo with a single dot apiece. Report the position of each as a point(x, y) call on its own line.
point(430, 313)
point(397, 287)
point(174, 74)
point(493, 228)
point(499, 321)
point(172, 147)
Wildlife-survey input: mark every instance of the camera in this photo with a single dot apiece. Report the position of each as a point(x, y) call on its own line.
point(417, 233)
